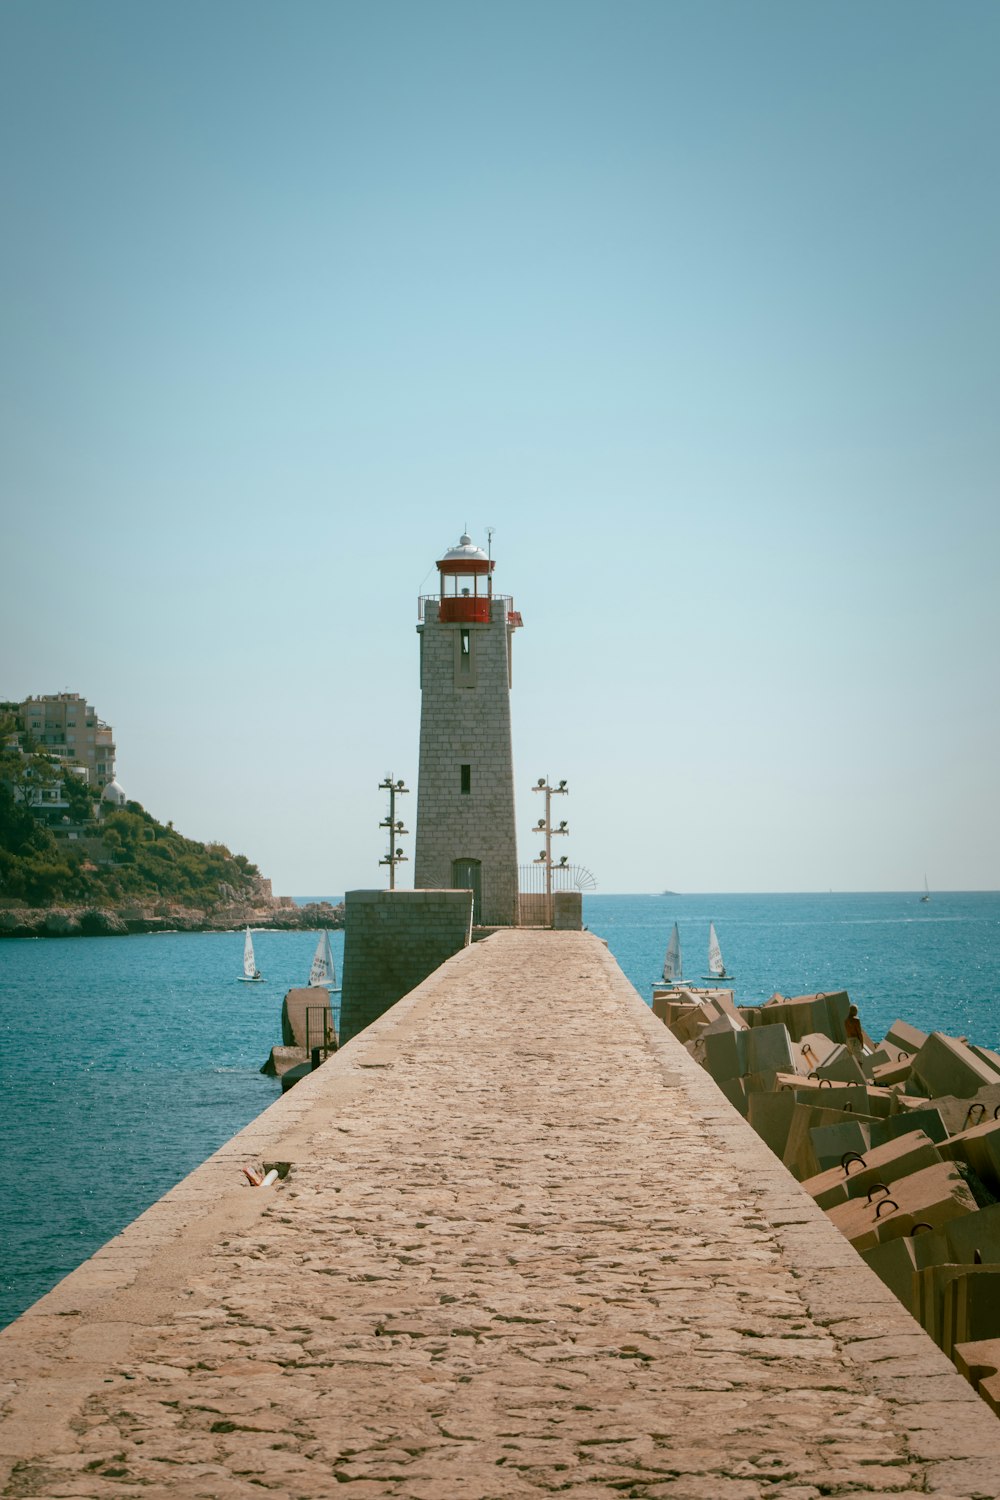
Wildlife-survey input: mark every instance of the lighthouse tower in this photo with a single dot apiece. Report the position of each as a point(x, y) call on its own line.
point(465, 796)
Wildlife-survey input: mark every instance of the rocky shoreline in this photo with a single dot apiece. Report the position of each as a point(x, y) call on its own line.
point(280, 915)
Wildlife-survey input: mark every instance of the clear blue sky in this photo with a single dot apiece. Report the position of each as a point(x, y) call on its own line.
point(697, 303)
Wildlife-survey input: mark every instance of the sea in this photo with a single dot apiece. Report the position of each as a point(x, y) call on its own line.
point(125, 1062)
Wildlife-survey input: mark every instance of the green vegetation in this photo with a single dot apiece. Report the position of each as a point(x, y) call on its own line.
point(125, 856)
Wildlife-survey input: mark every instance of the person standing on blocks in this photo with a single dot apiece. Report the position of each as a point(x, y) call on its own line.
point(854, 1035)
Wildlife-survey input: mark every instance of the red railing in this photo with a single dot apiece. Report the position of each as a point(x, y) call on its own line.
point(461, 607)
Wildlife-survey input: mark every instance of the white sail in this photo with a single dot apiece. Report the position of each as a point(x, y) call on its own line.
point(672, 961)
point(323, 971)
point(715, 964)
point(249, 965)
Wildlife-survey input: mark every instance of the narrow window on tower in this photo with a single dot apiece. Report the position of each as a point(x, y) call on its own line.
point(466, 779)
point(465, 658)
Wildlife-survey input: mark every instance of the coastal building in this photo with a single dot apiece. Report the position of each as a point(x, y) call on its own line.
point(66, 728)
point(465, 836)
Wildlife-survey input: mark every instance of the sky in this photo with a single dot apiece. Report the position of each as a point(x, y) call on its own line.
point(696, 304)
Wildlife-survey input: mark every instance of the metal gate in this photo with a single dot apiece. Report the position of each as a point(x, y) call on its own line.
point(467, 875)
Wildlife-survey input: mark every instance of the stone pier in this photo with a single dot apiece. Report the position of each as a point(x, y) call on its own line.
point(525, 1247)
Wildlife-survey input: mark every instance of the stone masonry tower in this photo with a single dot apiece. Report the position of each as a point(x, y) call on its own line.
point(465, 796)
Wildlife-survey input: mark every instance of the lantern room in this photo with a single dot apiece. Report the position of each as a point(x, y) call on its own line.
point(466, 584)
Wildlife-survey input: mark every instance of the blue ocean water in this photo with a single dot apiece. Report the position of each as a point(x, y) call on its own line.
point(124, 1062)
point(935, 964)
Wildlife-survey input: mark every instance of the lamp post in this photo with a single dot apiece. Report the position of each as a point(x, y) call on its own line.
point(544, 825)
point(394, 826)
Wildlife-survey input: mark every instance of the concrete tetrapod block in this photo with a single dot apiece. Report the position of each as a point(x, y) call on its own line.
point(803, 1014)
point(987, 1055)
point(829, 1142)
point(971, 1307)
point(799, 1156)
point(944, 1065)
point(725, 1042)
point(878, 1101)
point(887, 1163)
point(735, 1091)
point(976, 1234)
point(897, 1261)
point(842, 1067)
point(979, 1362)
point(930, 1295)
point(926, 1119)
point(961, 1114)
point(957, 1244)
point(812, 1051)
point(771, 1116)
point(902, 1037)
point(769, 1050)
point(886, 1074)
point(933, 1196)
point(979, 1147)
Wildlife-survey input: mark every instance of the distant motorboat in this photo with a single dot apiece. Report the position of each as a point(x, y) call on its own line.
point(251, 974)
point(716, 968)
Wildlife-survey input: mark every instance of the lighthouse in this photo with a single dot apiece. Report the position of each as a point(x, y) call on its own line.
point(465, 793)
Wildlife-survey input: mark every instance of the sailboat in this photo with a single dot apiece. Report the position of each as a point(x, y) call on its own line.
point(323, 971)
point(251, 974)
point(927, 895)
point(672, 968)
point(716, 968)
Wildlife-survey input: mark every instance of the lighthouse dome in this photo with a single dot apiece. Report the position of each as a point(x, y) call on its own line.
point(465, 552)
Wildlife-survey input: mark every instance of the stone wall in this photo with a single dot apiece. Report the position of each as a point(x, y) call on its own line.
point(567, 911)
point(465, 720)
point(393, 940)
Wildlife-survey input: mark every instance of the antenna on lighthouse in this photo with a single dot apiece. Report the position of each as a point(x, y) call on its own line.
point(489, 541)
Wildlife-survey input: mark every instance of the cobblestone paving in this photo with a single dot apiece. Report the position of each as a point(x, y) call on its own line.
point(525, 1249)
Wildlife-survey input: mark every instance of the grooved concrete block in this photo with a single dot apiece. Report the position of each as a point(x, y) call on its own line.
point(979, 1362)
point(932, 1196)
point(971, 1307)
point(886, 1163)
point(977, 1233)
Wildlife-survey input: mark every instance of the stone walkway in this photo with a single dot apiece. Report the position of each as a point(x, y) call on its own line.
point(525, 1249)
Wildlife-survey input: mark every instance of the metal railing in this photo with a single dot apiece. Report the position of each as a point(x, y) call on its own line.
point(427, 605)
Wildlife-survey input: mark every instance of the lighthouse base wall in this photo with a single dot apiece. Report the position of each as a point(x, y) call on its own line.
point(392, 941)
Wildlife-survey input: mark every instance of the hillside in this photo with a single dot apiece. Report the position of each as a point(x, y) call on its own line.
point(125, 857)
